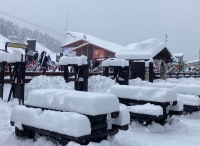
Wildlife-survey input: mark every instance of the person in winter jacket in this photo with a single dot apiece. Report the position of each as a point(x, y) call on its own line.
point(163, 71)
point(35, 57)
point(88, 62)
point(95, 63)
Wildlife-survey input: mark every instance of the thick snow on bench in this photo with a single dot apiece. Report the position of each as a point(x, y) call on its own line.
point(69, 123)
point(64, 60)
point(144, 93)
point(179, 88)
point(124, 116)
point(177, 107)
point(75, 101)
point(115, 62)
point(15, 56)
point(193, 100)
point(147, 109)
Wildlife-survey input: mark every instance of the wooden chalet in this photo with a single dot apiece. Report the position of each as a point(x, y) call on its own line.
point(92, 51)
point(146, 50)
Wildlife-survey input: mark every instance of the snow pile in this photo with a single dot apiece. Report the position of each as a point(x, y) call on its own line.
point(115, 62)
point(147, 109)
point(175, 126)
point(5, 118)
point(71, 124)
point(81, 60)
point(144, 93)
point(44, 82)
point(100, 84)
point(74, 101)
point(193, 100)
point(143, 50)
point(138, 82)
point(124, 116)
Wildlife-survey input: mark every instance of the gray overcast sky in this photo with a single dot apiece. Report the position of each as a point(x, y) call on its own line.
point(118, 21)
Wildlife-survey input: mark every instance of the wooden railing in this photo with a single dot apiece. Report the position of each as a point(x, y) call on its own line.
point(30, 75)
point(181, 75)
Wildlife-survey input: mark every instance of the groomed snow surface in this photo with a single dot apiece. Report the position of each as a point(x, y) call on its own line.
point(183, 130)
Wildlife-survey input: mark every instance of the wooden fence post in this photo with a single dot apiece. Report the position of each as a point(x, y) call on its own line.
point(43, 71)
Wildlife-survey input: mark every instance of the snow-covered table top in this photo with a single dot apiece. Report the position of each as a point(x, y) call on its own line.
point(115, 62)
point(144, 93)
point(69, 123)
point(81, 60)
point(74, 101)
point(15, 56)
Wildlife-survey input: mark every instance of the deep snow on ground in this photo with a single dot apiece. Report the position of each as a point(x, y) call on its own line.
point(184, 130)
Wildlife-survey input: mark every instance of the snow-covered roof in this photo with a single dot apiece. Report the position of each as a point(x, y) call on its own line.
point(74, 36)
point(192, 61)
point(143, 50)
point(178, 54)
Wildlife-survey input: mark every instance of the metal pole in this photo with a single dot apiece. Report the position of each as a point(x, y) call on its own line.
point(199, 58)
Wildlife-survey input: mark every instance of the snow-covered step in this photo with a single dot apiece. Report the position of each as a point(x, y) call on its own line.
point(68, 125)
point(147, 109)
point(142, 95)
point(86, 103)
point(191, 102)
